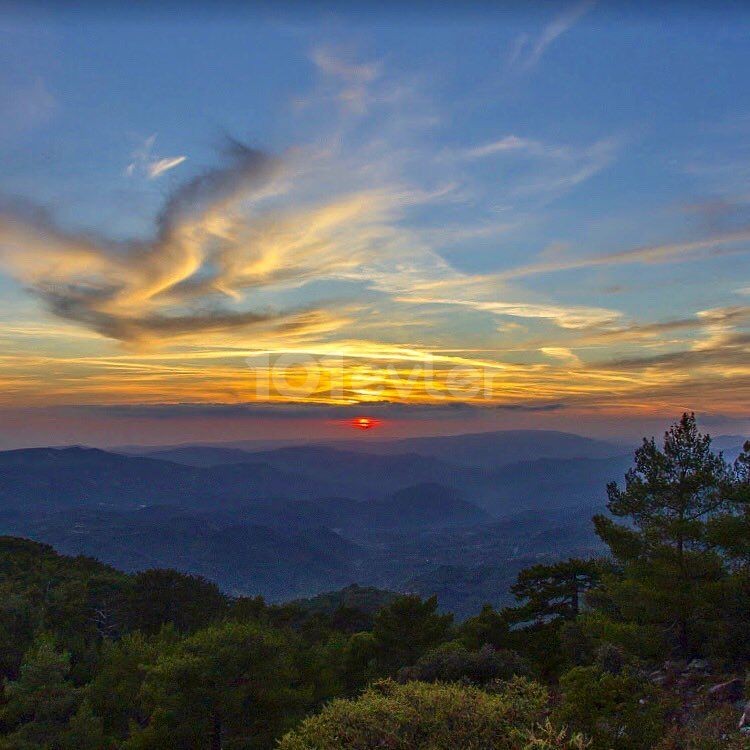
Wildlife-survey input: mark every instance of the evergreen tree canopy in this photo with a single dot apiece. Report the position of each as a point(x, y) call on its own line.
point(668, 560)
point(551, 592)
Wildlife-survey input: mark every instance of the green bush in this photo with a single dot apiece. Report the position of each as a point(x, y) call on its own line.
point(618, 711)
point(452, 662)
point(421, 716)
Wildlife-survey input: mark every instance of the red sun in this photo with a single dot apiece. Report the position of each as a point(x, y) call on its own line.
point(364, 423)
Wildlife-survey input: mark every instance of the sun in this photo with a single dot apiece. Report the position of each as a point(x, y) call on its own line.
point(364, 423)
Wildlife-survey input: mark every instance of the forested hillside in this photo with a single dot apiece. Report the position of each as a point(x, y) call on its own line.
point(644, 647)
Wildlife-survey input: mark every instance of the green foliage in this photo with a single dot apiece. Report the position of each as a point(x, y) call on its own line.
point(234, 685)
point(360, 662)
point(42, 700)
point(645, 640)
point(550, 597)
point(166, 597)
point(554, 592)
point(453, 662)
point(406, 628)
point(487, 628)
point(85, 730)
point(667, 557)
point(618, 711)
point(78, 599)
point(115, 691)
point(417, 716)
point(352, 608)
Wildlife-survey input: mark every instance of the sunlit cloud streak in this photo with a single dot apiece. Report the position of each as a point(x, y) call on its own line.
point(145, 163)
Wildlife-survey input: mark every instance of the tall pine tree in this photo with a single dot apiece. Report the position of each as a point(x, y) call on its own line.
point(669, 562)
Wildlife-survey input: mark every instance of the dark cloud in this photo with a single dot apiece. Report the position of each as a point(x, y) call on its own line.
point(557, 406)
point(243, 166)
point(298, 410)
point(110, 286)
point(636, 331)
point(76, 305)
point(733, 350)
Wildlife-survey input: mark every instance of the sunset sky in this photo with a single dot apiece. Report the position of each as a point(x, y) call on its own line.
point(223, 225)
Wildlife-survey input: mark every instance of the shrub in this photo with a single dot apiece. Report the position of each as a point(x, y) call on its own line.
point(618, 711)
point(452, 662)
point(713, 730)
point(420, 716)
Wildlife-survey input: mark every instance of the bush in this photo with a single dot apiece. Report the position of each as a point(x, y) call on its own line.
point(641, 641)
point(452, 662)
point(712, 730)
point(618, 711)
point(419, 716)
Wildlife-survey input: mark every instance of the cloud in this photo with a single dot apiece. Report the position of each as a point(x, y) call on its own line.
point(302, 410)
point(561, 353)
point(572, 316)
point(557, 167)
point(528, 51)
point(146, 164)
point(228, 247)
point(720, 244)
point(354, 79)
point(503, 145)
point(330, 64)
point(132, 291)
point(328, 250)
point(160, 166)
point(732, 351)
point(712, 318)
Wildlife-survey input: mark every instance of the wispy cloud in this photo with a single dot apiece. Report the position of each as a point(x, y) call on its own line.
point(354, 77)
point(561, 353)
point(145, 163)
point(327, 251)
point(504, 145)
point(332, 64)
point(528, 50)
point(721, 244)
point(571, 316)
point(556, 167)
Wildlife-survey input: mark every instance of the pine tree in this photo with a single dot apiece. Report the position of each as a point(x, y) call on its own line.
point(85, 730)
point(406, 628)
point(554, 592)
point(668, 559)
point(42, 700)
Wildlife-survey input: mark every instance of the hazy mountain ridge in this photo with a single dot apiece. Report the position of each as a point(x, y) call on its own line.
point(298, 520)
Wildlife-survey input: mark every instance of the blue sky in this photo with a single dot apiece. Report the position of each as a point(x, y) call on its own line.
point(559, 193)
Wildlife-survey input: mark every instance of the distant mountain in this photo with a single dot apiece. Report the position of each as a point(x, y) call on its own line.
point(347, 473)
point(424, 506)
point(201, 455)
point(488, 450)
point(294, 521)
point(65, 477)
point(547, 483)
point(730, 445)
point(357, 474)
point(491, 450)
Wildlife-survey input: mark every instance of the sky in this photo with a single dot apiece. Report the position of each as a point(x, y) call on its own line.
point(260, 222)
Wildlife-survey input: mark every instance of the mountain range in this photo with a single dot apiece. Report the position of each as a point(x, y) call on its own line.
point(457, 516)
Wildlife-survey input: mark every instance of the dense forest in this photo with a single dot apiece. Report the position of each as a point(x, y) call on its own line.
point(645, 647)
